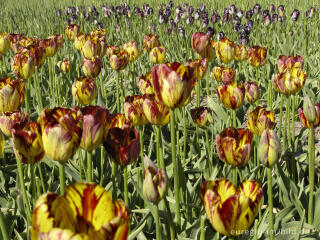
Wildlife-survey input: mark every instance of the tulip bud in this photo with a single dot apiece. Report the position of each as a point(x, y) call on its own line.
point(225, 50)
point(309, 109)
point(9, 119)
point(231, 95)
point(257, 56)
point(155, 111)
point(84, 90)
point(72, 31)
point(201, 116)
point(157, 55)
point(90, 47)
point(144, 83)
point(11, 94)
point(4, 43)
point(133, 50)
point(91, 67)
point(269, 148)
point(224, 74)
point(241, 53)
point(252, 92)
point(155, 183)
point(150, 41)
point(64, 65)
point(120, 60)
point(22, 66)
point(304, 120)
point(133, 110)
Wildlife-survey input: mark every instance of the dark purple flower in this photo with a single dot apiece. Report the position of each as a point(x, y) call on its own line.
point(220, 35)
point(249, 14)
point(210, 31)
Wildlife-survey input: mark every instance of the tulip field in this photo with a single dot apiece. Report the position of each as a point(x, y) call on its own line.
point(159, 120)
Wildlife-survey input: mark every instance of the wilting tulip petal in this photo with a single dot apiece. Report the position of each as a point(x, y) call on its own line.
point(61, 132)
point(260, 119)
point(234, 146)
point(231, 211)
point(11, 94)
point(84, 90)
point(86, 211)
point(123, 145)
point(231, 95)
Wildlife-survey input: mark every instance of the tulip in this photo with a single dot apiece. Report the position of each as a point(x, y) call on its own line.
point(51, 45)
point(202, 45)
point(234, 146)
point(155, 111)
point(269, 149)
point(123, 145)
point(257, 56)
point(91, 67)
point(225, 50)
point(112, 50)
point(240, 53)
point(14, 38)
point(144, 83)
point(200, 67)
point(133, 50)
point(26, 42)
point(23, 66)
point(9, 119)
point(289, 62)
point(302, 115)
point(157, 55)
point(64, 65)
point(309, 109)
point(252, 92)
point(77, 43)
point(4, 43)
point(27, 142)
point(72, 31)
point(231, 95)
point(201, 116)
point(100, 35)
point(150, 41)
point(90, 47)
point(224, 74)
point(95, 127)
point(119, 60)
point(11, 94)
point(61, 132)
point(133, 110)
point(172, 84)
point(36, 52)
point(231, 211)
point(85, 211)
point(259, 120)
point(155, 183)
point(84, 90)
point(118, 120)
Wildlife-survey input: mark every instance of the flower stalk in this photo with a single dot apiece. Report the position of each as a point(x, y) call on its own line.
point(62, 178)
point(270, 203)
point(311, 151)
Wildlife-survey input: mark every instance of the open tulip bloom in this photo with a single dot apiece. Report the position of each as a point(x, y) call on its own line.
point(231, 95)
point(231, 211)
point(260, 119)
point(257, 56)
point(86, 211)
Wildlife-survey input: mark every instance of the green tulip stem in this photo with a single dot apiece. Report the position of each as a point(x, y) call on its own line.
point(280, 122)
point(157, 220)
point(101, 165)
point(185, 136)
point(293, 163)
point(170, 219)
point(23, 189)
point(80, 164)
point(311, 150)
point(4, 228)
point(118, 91)
point(41, 178)
point(256, 229)
point(208, 145)
point(202, 228)
point(62, 178)
point(114, 183)
point(288, 122)
point(284, 134)
point(175, 166)
point(33, 184)
point(27, 99)
point(141, 133)
point(207, 85)
point(234, 118)
point(125, 184)
point(235, 176)
point(197, 105)
point(133, 85)
point(89, 166)
point(270, 203)
point(38, 90)
point(160, 161)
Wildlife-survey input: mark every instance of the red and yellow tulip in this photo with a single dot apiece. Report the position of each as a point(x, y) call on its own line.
point(64, 65)
point(200, 67)
point(225, 50)
point(144, 83)
point(304, 120)
point(257, 56)
point(172, 84)
point(91, 67)
point(4, 43)
point(52, 44)
point(11, 94)
point(289, 62)
point(240, 53)
point(133, 110)
point(118, 120)
point(61, 132)
point(120, 60)
point(85, 211)
point(202, 45)
point(224, 74)
point(234, 146)
point(9, 119)
point(23, 66)
point(72, 31)
point(150, 41)
point(201, 116)
point(252, 92)
point(84, 90)
point(133, 50)
point(157, 54)
point(231, 211)
point(259, 120)
point(231, 95)
point(155, 111)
